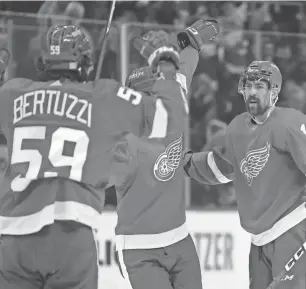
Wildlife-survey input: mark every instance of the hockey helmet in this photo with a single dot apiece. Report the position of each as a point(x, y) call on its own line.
point(262, 70)
point(68, 48)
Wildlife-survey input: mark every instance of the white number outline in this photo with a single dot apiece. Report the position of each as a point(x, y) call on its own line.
point(128, 94)
point(55, 156)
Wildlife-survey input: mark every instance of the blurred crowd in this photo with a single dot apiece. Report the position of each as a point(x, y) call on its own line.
point(273, 31)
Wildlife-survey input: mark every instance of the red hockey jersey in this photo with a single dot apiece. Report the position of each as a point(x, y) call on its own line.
point(151, 192)
point(150, 195)
point(61, 138)
point(268, 165)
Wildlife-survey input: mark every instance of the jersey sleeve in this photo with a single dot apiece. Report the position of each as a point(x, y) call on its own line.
point(211, 167)
point(170, 109)
point(189, 58)
point(295, 139)
point(137, 111)
point(129, 110)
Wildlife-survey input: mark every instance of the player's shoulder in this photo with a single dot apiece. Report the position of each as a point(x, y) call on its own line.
point(288, 117)
point(16, 83)
point(104, 87)
point(238, 121)
point(108, 89)
point(101, 83)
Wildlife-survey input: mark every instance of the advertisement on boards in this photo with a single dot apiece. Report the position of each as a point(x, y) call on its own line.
point(222, 246)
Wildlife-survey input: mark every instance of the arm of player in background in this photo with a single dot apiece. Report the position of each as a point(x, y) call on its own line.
point(295, 139)
point(189, 58)
point(210, 167)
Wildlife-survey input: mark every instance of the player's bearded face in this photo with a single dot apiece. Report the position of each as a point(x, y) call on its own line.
point(257, 97)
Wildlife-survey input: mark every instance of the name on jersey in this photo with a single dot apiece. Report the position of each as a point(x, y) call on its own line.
point(52, 102)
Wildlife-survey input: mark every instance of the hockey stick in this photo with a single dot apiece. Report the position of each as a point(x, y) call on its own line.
point(104, 41)
point(283, 275)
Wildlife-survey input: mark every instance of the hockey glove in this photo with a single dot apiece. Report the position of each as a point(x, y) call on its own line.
point(141, 79)
point(155, 47)
point(199, 33)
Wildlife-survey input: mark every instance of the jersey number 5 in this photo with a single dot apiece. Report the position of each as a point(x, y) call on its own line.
point(56, 157)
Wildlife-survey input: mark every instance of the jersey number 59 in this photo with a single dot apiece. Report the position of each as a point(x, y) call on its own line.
point(57, 159)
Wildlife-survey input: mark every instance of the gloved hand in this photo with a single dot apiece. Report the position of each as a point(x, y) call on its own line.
point(199, 33)
point(155, 47)
point(141, 79)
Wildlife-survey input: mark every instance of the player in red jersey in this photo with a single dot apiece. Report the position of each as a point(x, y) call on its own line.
point(153, 244)
point(264, 153)
point(60, 135)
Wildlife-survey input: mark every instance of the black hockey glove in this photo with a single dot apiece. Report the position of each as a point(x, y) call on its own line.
point(199, 33)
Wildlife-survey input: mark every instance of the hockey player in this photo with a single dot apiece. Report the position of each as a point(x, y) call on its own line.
point(153, 244)
point(60, 136)
point(265, 155)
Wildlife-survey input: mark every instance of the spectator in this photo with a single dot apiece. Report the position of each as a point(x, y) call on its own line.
point(268, 50)
point(285, 16)
point(202, 108)
point(293, 96)
point(284, 57)
point(234, 53)
point(3, 157)
point(234, 15)
point(260, 18)
point(219, 196)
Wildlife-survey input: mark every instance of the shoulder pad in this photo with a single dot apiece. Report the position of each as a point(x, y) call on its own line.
point(290, 116)
point(238, 119)
point(104, 87)
point(15, 83)
point(105, 83)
